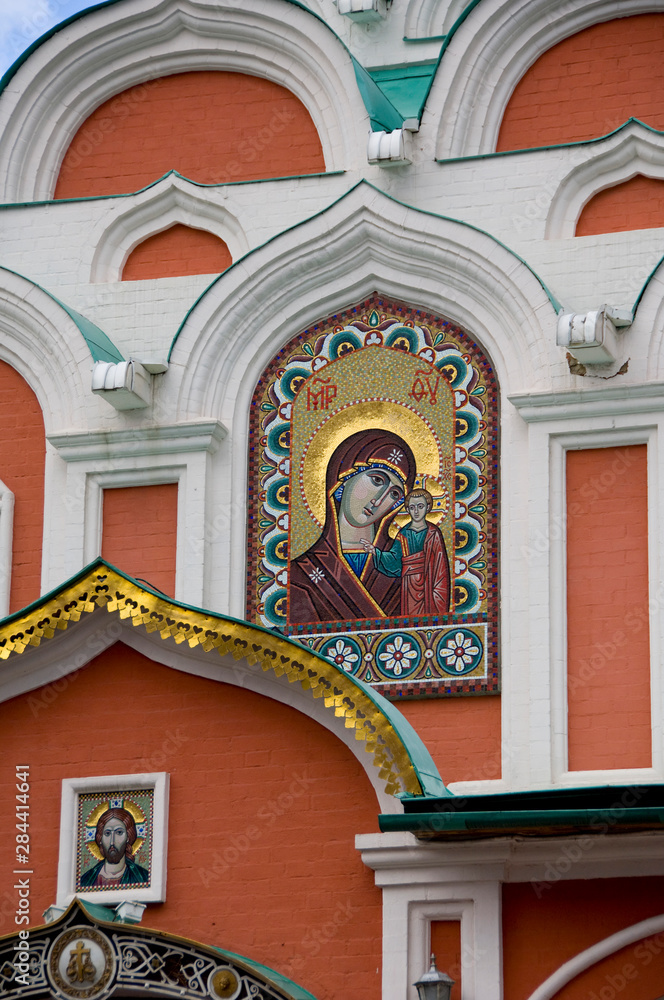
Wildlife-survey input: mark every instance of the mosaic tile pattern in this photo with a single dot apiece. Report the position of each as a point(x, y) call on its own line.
point(421, 388)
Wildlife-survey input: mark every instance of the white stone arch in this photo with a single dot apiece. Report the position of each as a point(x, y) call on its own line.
point(431, 18)
point(170, 201)
point(647, 331)
point(552, 986)
point(490, 52)
point(42, 342)
point(364, 242)
point(634, 149)
point(118, 46)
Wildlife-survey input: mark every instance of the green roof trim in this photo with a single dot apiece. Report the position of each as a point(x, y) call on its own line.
point(101, 347)
point(406, 87)
point(384, 116)
point(552, 299)
point(448, 37)
point(637, 301)
point(425, 770)
point(287, 985)
point(558, 145)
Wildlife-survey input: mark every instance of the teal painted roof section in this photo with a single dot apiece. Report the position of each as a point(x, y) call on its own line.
point(287, 985)
point(406, 87)
point(384, 116)
point(101, 347)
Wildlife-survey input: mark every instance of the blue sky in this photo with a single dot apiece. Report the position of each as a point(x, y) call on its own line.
point(22, 22)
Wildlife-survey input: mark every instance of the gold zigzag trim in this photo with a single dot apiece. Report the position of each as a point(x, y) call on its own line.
point(244, 642)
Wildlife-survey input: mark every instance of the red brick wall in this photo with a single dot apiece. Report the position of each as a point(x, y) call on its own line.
point(547, 923)
point(636, 204)
point(139, 533)
point(22, 456)
point(211, 127)
point(175, 251)
point(589, 84)
point(608, 650)
point(264, 808)
point(461, 734)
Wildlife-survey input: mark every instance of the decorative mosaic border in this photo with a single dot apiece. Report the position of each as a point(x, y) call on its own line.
point(474, 562)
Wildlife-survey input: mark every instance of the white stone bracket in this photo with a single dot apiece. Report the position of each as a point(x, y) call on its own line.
point(363, 11)
point(390, 149)
point(126, 385)
point(592, 337)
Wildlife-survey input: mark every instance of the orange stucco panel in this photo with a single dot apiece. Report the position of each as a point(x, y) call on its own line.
point(589, 84)
point(177, 251)
point(264, 808)
point(608, 647)
point(547, 923)
point(636, 204)
point(22, 455)
point(212, 127)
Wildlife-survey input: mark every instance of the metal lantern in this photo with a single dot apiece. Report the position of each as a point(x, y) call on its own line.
point(434, 985)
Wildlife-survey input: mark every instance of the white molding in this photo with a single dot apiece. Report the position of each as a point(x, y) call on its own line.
point(427, 18)
point(591, 956)
point(55, 663)
point(6, 546)
point(171, 201)
point(429, 881)
point(71, 789)
point(142, 457)
point(595, 419)
point(163, 439)
point(41, 341)
point(488, 55)
point(631, 151)
point(110, 49)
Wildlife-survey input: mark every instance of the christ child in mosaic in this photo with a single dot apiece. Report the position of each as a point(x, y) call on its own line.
point(419, 557)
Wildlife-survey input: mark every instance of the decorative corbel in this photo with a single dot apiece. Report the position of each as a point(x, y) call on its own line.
point(126, 385)
point(592, 337)
point(390, 149)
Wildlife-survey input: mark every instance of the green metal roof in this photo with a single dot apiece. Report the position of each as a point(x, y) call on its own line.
point(406, 87)
point(101, 347)
point(548, 812)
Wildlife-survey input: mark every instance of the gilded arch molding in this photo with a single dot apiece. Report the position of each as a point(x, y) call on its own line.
point(404, 765)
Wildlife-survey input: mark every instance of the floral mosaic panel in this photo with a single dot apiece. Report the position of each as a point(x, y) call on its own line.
point(373, 490)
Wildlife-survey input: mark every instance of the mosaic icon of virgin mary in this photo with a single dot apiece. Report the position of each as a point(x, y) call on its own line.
point(368, 476)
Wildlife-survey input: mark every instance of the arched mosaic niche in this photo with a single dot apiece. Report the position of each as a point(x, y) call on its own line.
point(373, 496)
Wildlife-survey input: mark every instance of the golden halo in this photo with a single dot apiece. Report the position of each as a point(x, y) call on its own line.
point(378, 414)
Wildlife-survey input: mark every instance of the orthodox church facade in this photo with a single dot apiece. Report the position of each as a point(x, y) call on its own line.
point(331, 368)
